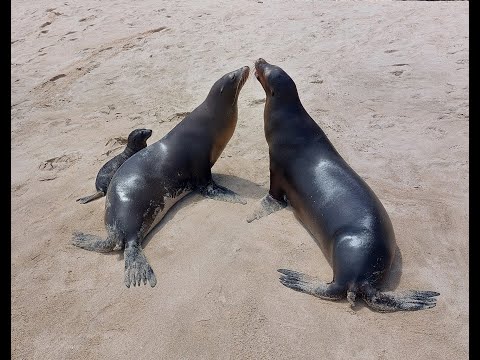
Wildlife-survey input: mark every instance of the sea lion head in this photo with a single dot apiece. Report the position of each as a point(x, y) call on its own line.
point(275, 81)
point(229, 85)
point(137, 139)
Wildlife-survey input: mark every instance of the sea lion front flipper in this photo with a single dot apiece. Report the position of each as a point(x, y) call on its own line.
point(87, 199)
point(267, 206)
point(137, 268)
point(307, 284)
point(391, 301)
point(214, 191)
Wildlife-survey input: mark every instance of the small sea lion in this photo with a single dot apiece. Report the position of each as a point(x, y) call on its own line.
point(137, 140)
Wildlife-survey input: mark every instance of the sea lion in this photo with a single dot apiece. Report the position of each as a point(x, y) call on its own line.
point(137, 140)
point(333, 202)
point(155, 178)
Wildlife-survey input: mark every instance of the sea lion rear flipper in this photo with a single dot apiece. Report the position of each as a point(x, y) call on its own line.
point(310, 285)
point(214, 191)
point(399, 301)
point(267, 206)
point(137, 268)
point(87, 199)
point(93, 243)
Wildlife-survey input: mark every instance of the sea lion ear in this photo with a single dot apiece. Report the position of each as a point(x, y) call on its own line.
point(273, 93)
point(221, 90)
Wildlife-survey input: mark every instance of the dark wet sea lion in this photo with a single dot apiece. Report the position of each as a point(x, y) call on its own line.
point(338, 208)
point(155, 178)
point(137, 140)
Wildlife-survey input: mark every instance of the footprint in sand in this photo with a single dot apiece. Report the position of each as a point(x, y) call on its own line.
point(20, 189)
point(52, 10)
point(436, 132)
point(46, 92)
point(51, 167)
point(51, 17)
point(107, 109)
point(117, 140)
point(115, 143)
point(88, 18)
point(67, 34)
point(44, 25)
point(175, 117)
point(59, 162)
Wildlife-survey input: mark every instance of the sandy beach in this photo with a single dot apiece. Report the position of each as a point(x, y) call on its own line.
point(387, 81)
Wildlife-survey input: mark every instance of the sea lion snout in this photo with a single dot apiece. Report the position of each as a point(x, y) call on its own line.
point(243, 74)
point(147, 133)
point(260, 61)
point(260, 72)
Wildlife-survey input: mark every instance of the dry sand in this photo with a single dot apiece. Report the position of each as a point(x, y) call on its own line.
point(388, 83)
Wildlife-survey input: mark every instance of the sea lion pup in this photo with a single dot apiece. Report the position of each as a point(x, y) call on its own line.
point(155, 178)
point(331, 200)
point(137, 140)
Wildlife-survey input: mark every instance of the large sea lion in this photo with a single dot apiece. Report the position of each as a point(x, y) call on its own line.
point(155, 178)
point(137, 140)
point(337, 206)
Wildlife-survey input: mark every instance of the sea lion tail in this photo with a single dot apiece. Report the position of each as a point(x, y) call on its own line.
point(391, 301)
point(93, 242)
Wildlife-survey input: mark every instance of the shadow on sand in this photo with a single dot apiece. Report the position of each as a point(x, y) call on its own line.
point(391, 280)
point(253, 191)
point(243, 187)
